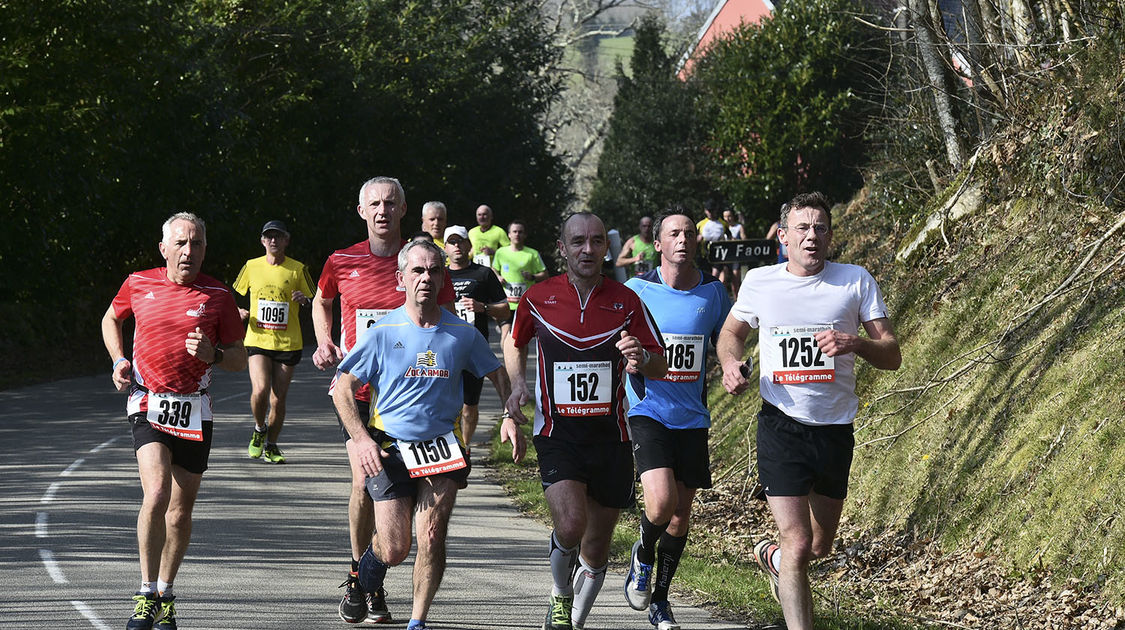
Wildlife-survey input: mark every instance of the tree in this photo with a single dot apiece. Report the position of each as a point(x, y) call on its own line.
point(791, 98)
point(651, 150)
point(113, 115)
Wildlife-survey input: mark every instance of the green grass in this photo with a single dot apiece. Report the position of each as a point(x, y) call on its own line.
point(713, 572)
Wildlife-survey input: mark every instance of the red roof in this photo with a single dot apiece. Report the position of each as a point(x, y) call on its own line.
point(726, 16)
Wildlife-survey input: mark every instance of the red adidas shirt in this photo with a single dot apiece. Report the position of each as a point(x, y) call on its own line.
point(165, 312)
point(368, 290)
point(580, 389)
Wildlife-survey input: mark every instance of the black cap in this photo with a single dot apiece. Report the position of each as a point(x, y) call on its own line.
point(275, 226)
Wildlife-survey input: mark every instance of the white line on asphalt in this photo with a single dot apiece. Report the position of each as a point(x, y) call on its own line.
point(232, 397)
point(71, 468)
point(103, 445)
point(41, 525)
point(52, 567)
point(49, 495)
point(88, 613)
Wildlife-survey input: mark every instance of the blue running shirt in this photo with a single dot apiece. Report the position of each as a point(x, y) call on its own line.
point(689, 321)
point(415, 372)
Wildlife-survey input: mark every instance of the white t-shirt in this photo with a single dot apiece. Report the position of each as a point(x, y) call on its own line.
point(787, 310)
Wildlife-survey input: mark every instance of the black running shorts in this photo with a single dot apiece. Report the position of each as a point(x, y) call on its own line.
point(284, 357)
point(682, 450)
point(795, 459)
point(471, 387)
point(187, 454)
point(394, 481)
point(605, 467)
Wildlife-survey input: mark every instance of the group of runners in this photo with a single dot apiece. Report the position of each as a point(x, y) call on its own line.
point(620, 390)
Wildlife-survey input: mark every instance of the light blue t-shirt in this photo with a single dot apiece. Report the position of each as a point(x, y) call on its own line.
point(689, 321)
point(415, 373)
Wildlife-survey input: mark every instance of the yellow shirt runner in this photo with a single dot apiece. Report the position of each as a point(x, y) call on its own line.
point(274, 323)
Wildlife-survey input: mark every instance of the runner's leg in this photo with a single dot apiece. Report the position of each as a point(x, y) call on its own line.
point(435, 504)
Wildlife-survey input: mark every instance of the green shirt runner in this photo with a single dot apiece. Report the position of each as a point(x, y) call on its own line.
point(511, 264)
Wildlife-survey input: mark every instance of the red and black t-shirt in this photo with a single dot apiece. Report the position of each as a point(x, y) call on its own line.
point(579, 390)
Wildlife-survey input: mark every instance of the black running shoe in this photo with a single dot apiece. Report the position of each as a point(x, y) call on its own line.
point(144, 612)
point(167, 616)
point(353, 606)
point(377, 607)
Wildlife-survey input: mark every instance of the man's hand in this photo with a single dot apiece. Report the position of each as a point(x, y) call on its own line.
point(327, 355)
point(520, 396)
point(370, 456)
point(299, 297)
point(633, 351)
point(835, 343)
point(122, 374)
point(509, 431)
point(200, 347)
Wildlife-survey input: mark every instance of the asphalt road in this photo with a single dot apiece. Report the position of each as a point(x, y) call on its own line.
point(269, 546)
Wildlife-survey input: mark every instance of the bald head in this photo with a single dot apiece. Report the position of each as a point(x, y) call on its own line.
point(583, 244)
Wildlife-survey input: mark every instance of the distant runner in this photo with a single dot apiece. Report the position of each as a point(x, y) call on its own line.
point(517, 265)
point(278, 286)
point(486, 237)
point(808, 313)
point(638, 255)
point(479, 299)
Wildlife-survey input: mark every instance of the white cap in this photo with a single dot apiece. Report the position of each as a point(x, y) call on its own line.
point(459, 230)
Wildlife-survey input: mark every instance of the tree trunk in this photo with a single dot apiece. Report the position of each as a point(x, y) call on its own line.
point(930, 56)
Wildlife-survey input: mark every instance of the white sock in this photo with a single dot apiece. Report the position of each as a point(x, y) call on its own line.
point(146, 588)
point(562, 566)
point(587, 584)
point(775, 558)
point(164, 588)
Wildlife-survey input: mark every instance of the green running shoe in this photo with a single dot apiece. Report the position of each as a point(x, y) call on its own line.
point(273, 455)
point(558, 617)
point(144, 612)
point(167, 618)
point(257, 439)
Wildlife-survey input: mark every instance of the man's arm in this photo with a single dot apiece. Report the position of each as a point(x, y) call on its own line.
point(515, 361)
point(499, 311)
point(231, 357)
point(729, 350)
point(327, 354)
point(509, 431)
point(880, 349)
point(626, 256)
point(368, 452)
point(114, 341)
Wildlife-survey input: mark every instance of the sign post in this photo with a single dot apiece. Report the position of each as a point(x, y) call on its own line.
point(758, 252)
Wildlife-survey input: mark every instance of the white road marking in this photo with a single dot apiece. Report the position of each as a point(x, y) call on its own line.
point(53, 569)
point(71, 468)
point(231, 397)
point(88, 613)
point(49, 495)
point(103, 445)
point(41, 525)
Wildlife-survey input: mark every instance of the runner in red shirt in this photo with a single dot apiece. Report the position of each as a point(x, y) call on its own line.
point(591, 330)
point(186, 322)
point(363, 276)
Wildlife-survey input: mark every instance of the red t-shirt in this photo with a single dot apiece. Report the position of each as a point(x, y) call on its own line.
point(165, 312)
point(368, 290)
point(580, 387)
